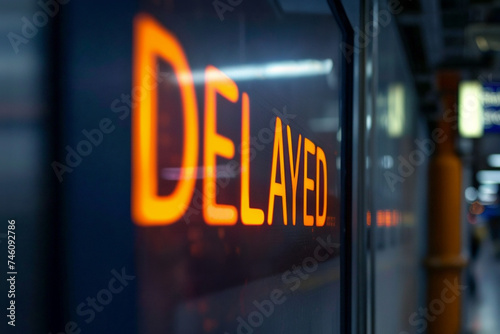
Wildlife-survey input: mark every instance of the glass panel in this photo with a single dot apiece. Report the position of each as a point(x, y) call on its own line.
point(251, 248)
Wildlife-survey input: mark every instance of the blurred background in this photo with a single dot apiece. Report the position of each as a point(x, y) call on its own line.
point(430, 65)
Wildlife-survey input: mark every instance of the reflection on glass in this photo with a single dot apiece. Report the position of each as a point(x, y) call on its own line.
point(396, 112)
point(488, 176)
point(274, 70)
point(494, 160)
point(470, 109)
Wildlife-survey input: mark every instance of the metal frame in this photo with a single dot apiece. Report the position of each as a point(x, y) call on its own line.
point(346, 108)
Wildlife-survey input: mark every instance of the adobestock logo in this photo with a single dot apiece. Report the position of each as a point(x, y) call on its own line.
point(83, 148)
point(437, 306)
point(29, 27)
point(93, 305)
point(292, 280)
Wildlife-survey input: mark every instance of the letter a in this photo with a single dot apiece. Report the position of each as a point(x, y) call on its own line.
point(277, 188)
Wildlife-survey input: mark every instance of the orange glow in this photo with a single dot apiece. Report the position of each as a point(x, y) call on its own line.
point(380, 218)
point(277, 189)
point(476, 208)
point(394, 218)
point(249, 216)
point(387, 218)
point(321, 159)
point(153, 43)
point(150, 42)
point(310, 148)
point(368, 218)
point(215, 144)
point(294, 171)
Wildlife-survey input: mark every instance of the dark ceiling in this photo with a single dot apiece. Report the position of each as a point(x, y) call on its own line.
point(450, 34)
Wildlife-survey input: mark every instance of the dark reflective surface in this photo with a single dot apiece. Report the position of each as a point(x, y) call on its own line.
point(196, 278)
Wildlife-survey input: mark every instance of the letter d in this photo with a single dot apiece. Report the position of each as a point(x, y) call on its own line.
point(152, 41)
point(28, 29)
point(426, 145)
point(362, 38)
point(72, 158)
point(243, 325)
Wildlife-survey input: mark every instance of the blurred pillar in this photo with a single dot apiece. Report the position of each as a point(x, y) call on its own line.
point(445, 260)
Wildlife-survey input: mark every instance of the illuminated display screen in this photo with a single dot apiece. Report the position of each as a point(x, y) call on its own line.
point(236, 166)
point(491, 107)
